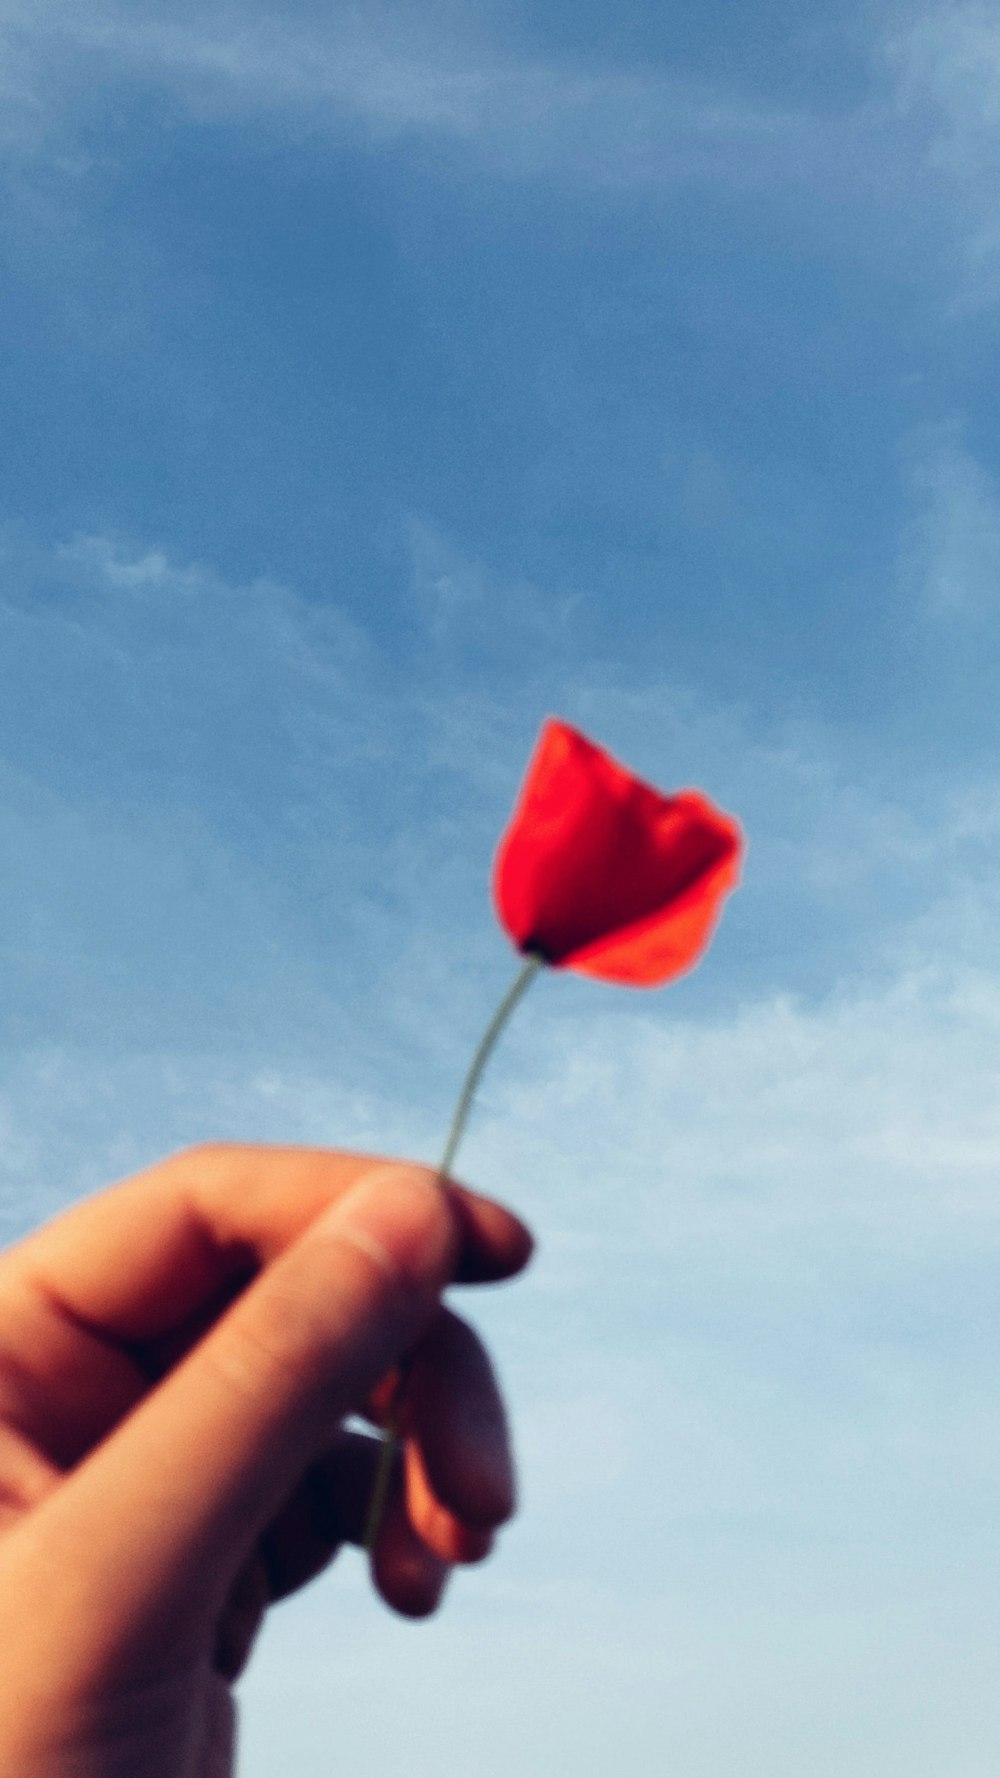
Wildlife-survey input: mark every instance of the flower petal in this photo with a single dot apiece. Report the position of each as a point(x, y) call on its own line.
point(601, 873)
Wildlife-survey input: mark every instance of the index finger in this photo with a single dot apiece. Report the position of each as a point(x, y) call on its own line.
point(142, 1257)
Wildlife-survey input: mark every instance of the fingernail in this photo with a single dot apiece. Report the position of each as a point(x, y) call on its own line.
point(399, 1217)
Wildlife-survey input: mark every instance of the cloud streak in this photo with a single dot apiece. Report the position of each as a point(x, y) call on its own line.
point(951, 553)
point(374, 73)
point(945, 62)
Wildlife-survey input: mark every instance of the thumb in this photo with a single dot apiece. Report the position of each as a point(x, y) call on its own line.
point(144, 1539)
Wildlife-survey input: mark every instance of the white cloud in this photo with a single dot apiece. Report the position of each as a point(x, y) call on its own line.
point(951, 551)
point(465, 613)
point(948, 59)
point(946, 65)
point(376, 71)
point(769, 1135)
point(134, 588)
point(897, 151)
point(97, 619)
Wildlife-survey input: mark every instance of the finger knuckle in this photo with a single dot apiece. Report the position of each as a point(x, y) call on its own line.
point(282, 1345)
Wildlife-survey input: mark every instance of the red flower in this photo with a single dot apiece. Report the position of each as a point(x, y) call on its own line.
point(600, 873)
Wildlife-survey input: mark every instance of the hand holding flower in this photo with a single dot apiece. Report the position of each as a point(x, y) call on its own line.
point(601, 874)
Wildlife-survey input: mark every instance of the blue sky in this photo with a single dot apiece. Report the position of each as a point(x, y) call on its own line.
point(373, 384)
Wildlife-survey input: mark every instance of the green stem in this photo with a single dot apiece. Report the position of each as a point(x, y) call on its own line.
point(522, 981)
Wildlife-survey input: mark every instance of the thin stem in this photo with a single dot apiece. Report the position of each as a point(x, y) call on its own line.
point(383, 1475)
point(522, 981)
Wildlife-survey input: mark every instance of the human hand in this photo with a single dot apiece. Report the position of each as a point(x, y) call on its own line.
point(177, 1358)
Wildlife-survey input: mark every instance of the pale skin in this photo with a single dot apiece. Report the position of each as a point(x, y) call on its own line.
point(178, 1356)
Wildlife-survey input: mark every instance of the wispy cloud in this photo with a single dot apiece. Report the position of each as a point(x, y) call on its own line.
point(275, 729)
point(947, 58)
point(377, 72)
point(777, 1134)
point(951, 550)
point(946, 64)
